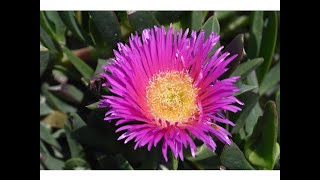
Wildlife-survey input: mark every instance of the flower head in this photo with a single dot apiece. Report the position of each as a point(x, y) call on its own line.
point(167, 87)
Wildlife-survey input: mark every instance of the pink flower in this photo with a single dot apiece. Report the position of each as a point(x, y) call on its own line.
point(166, 87)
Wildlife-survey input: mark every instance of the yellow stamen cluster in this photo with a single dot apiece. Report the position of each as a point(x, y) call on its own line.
point(171, 96)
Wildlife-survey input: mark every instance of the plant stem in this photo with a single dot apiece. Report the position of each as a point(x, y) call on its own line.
point(175, 162)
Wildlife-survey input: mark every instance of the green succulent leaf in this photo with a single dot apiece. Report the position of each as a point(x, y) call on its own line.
point(252, 119)
point(245, 88)
point(73, 25)
point(108, 27)
point(140, 20)
point(223, 15)
point(85, 70)
point(271, 80)
point(75, 121)
point(55, 102)
point(46, 60)
point(93, 105)
point(212, 25)
point(44, 107)
point(249, 99)
point(46, 136)
point(58, 26)
point(232, 158)
point(49, 43)
point(262, 148)
point(268, 44)
point(48, 161)
point(204, 159)
point(278, 110)
point(196, 20)
point(202, 153)
point(75, 148)
point(245, 68)
point(255, 34)
point(76, 164)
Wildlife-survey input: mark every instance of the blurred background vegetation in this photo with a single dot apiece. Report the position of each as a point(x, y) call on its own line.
point(74, 45)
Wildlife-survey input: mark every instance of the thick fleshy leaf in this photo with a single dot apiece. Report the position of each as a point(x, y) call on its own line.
point(236, 46)
point(255, 34)
point(45, 61)
point(204, 159)
point(48, 161)
point(44, 23)
point(58, 26)
point(59, 76)
point(212, 25)
point(72, 24)
point(84, 69)
point(252, 119)
point(125, 26)
point(140, 20)
point(272, 90)
point(271, 79)
point(107, 26)
point(75, 148)
point(43, 148)
point(252, 80)
point(93, 105)
point(268, 44)
point(245, 68)
point(249, 99)
point(196, 20)
point(68, 92)
point(76, 164)
point(49, 42)
point(262, 148)
point(232, 158)
point(245, 88)
point(53, 163)
point(44, 108)
point(75, 121)
point(202, 153)
point(55, 102)
point(278, 110)
point(45, 135)
point(98, 41)
point(222, 15)
point(167, 17)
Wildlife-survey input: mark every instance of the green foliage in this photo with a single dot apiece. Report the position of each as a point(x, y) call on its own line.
point(75, 44)
point(262, 148)
point(232, 158)
point(212, 25)
point(268, 44)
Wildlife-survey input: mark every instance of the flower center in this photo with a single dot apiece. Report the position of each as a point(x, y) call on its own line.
point(171, 96)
